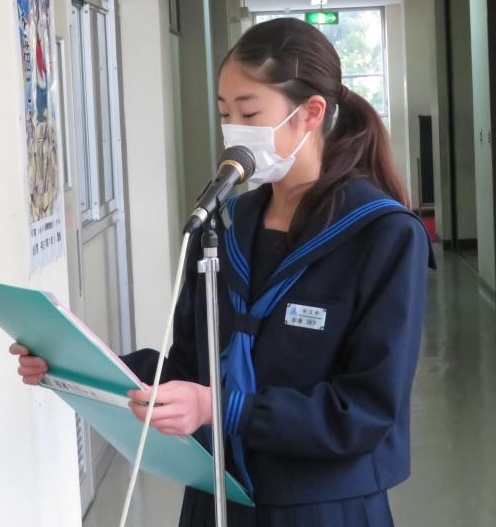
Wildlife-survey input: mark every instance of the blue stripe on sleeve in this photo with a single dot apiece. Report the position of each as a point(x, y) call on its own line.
point(240, 402)
point(228, 420)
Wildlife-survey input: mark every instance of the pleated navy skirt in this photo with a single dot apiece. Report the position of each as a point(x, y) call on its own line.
point(366, 511)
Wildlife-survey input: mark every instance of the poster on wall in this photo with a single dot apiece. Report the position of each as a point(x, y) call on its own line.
point(45, 200)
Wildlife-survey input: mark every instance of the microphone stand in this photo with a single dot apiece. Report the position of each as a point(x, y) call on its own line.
point(209, 266)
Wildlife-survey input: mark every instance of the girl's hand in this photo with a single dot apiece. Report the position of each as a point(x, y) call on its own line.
point(31, 369)
point(181, 407)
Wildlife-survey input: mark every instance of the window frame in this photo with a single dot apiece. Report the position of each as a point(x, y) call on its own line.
point(96, 167)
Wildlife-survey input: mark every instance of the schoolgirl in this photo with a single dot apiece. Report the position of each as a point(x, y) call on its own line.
point(321, 297)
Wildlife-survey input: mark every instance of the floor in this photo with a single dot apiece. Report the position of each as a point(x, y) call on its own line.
point(471, 257)
point(453, 482)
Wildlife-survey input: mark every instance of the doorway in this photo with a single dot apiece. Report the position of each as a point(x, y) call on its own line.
point(463, 170)
point(95, 211)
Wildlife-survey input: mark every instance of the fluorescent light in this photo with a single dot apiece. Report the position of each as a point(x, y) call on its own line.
point(318, 2)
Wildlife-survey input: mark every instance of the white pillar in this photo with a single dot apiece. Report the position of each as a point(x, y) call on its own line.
point(395, 36)
point(482, 139)
point(151, 162)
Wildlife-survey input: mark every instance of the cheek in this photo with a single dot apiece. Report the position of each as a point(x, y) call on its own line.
point(286, 141)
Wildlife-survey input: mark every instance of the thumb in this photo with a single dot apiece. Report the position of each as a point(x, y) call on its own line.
point(139, 395)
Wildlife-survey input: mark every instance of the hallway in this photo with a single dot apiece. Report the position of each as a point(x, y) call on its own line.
point(453, 481)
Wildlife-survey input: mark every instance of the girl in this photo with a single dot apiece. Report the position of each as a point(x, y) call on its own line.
point(321, 296)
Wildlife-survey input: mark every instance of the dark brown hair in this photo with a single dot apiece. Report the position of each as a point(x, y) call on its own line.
point(300, 61)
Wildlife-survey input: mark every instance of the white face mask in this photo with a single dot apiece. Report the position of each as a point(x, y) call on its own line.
point(270, 167)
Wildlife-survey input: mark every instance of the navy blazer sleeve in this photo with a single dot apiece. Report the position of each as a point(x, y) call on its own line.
point(356, 408)
point(181, 363)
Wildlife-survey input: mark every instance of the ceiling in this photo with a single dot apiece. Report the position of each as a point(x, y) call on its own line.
point(299, 5)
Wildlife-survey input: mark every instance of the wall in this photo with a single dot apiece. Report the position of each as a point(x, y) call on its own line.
point(38, 440)
point(178, 124)
point(396, 57)
point(198, 158)
point(151, 162)
point(483, 148)
point(491, 23)
point(220, 45)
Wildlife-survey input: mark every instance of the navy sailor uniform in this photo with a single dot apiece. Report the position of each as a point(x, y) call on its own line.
point(318, 364)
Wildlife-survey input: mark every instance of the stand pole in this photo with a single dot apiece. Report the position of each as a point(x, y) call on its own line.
point(209, 266)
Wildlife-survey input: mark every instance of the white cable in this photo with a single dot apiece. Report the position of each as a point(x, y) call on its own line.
point(158, 372)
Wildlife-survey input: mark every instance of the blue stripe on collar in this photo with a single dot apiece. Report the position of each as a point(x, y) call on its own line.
point(336, 228)
point(241, 266)
point(287, 285)
point(237, 258)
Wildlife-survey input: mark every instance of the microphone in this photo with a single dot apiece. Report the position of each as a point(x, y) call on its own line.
point(236, 166)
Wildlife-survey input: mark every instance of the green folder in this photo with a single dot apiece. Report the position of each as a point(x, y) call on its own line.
point(89, 377)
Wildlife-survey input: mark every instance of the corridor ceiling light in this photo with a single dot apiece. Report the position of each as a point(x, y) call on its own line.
point(318, 2)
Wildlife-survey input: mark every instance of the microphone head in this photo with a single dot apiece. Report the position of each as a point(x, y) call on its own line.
point(240, 155)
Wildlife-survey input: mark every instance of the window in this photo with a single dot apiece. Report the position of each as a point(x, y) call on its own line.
point(264, 18)
point(93, 109)
point(359, 40)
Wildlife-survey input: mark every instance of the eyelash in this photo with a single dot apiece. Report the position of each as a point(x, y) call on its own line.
point(245, 116)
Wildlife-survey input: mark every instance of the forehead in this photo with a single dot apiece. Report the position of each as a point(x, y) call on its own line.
point(236, 86)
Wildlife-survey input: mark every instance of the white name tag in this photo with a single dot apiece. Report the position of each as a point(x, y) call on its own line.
point(305, 317)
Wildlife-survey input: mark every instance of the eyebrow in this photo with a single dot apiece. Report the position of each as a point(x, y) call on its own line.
point(240, 98)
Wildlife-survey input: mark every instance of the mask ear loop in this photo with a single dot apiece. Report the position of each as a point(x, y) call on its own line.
point(304, 140)
point(302, 144)
point(294, 112)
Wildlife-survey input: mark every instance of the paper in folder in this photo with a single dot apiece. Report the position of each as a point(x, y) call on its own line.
point(88, 376)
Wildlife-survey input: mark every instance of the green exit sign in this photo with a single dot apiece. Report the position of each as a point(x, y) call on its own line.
point(322, 17)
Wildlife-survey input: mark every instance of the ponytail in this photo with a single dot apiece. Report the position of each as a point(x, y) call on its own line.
point(360, 141)
point(357, 146)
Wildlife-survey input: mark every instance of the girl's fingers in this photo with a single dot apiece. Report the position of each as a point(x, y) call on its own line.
point(32, 379)
point(159, 412)
point(18, 349)
point(182, 407)
point(33, 363)
point(31, 369)
point(142, 396)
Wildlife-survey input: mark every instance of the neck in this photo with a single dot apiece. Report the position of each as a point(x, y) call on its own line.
point(286, 196)
point(287, 193)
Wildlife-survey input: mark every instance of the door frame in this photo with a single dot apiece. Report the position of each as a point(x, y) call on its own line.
point(93, 470)
point(491, 21)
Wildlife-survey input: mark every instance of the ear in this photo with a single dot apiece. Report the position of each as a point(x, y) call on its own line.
point(315, 107)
